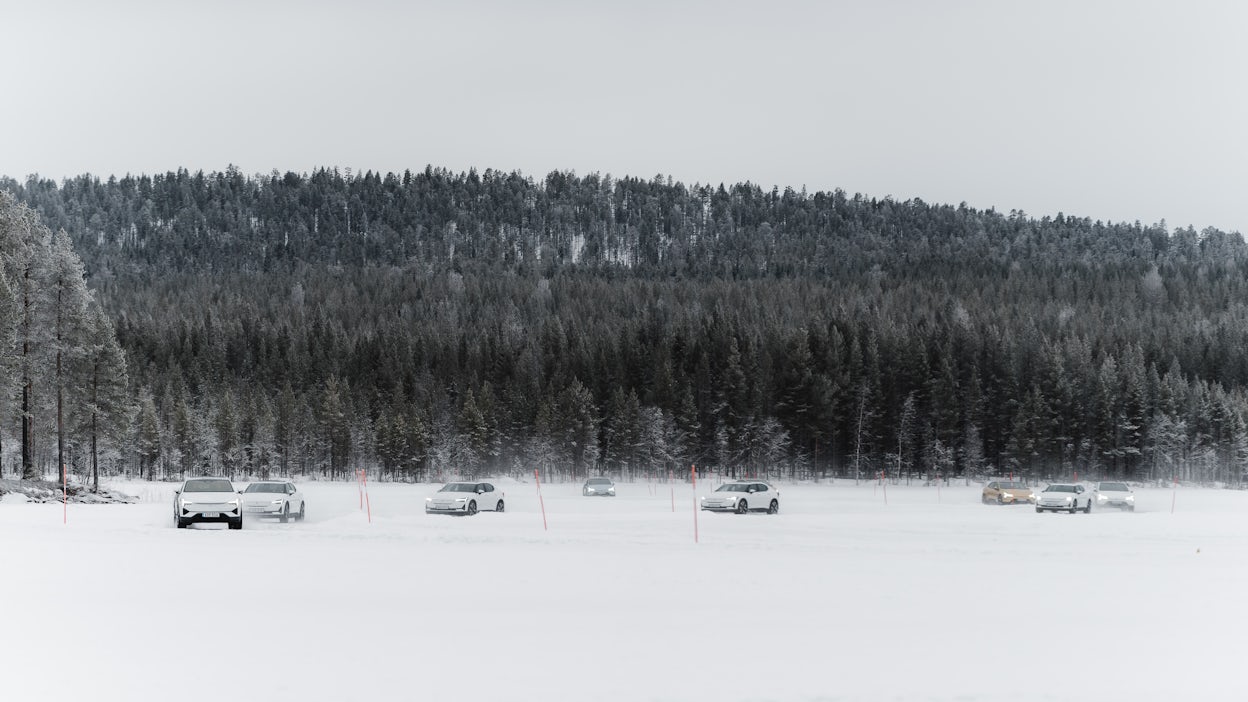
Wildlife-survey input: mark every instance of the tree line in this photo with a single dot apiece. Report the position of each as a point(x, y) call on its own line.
point(432, 323)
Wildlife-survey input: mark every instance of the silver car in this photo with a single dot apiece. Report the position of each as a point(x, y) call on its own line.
point(275, 498)
point(1064, 497)
point(207, 500)
point(743, 496)
point(598, 486)
point(1113, 494)
point(465, 499)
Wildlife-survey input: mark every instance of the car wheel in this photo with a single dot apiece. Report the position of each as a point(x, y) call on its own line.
point(303, 511)
point(1088, 509)
point(743, 507)
point(499, 507)
point(285, 513)
point(1000, 500)
point(1038, 510)
point(1131, 508)
point(180, 522)
point(774, 508)
point(472, 507)
point(236, 523)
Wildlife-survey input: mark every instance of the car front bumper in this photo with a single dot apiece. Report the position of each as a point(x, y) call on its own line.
point(265, 510)
point(446, 509)
point(209, 514)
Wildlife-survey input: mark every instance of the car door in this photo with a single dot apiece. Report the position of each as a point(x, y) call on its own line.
point(294, 498)
point(990, 492)
point(489, 498)
point(763, 496)
point(1082, 497)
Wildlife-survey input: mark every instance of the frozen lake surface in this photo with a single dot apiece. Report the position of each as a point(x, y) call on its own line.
point(839, 597)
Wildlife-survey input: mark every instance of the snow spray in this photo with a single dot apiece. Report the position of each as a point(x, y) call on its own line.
point(538, 482)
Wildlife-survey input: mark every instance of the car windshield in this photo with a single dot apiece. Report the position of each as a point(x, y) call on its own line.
point(266, 487)
point(599, 481)
point(1114, 487)
point(459, 487)
point(1060, 488)
point(733, 487)
point(208, 486)
point(1006, 485)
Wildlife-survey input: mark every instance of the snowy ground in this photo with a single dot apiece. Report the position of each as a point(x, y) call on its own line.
point(840, 597)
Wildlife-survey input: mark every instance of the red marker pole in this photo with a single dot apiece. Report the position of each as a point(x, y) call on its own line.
point(693, 475)
point(1174, 496)
point(367, 502)
point(65, 495)
point(884, 481)
point(538, 482)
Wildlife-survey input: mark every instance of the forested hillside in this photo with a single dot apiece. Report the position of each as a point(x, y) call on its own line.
point(433, 323)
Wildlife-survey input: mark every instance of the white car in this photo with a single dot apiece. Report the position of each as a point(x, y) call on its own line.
point(465, 498)
point(743, 496)
point(1064, 497)
point(275, 498)
point(1113, 494)
point(598, 486)
point(207, 500)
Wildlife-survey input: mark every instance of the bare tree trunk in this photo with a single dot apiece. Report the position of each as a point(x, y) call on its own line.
point(28, 426)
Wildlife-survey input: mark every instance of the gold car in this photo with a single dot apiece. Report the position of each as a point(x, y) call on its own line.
point(1008, 492)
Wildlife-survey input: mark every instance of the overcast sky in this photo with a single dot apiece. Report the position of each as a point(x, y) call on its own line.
point(1124, 111)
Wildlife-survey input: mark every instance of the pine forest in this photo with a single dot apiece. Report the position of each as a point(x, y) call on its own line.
point(432, 324)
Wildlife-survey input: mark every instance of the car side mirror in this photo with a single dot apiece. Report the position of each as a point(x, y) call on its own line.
point(177, 492)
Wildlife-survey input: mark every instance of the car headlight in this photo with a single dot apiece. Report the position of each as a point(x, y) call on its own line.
point(461, 499)
point(1130, 498)
point(232, 502)
point(278, 502)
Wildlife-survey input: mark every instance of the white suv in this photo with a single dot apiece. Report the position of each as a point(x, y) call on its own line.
point(1064, 497)
point(207, 500)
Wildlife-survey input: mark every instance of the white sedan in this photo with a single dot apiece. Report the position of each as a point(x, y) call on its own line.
point(275, 498)
point(1112, 494)
point(465, 498)
point(743, 496)
point(1064, 497)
